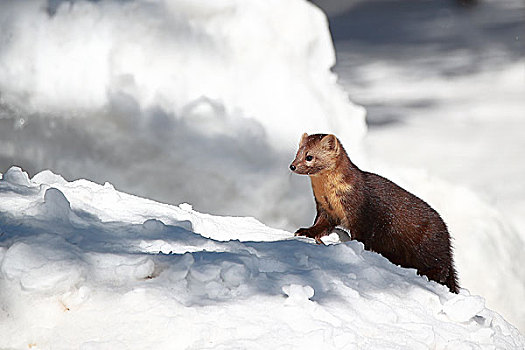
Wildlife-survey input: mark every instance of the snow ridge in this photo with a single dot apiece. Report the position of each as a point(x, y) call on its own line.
point(85, 266)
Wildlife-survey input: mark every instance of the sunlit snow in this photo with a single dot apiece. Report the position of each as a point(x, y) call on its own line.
point(204, 102)
point(85, 266)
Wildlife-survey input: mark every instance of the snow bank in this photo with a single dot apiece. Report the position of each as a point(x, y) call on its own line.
point(266, 60)
point(104, 269)
point(488, 250)
point(213, 95)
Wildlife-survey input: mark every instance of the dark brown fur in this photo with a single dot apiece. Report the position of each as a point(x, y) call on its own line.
point(384, 217)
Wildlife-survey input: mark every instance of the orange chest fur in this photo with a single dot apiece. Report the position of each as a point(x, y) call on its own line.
point(329, 191)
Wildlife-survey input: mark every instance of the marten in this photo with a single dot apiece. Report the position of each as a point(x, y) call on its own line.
point(383, 216)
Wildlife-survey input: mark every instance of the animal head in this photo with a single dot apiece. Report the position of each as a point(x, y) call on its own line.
point(317, 154)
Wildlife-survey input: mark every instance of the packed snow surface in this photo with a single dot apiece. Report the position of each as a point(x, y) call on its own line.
point(84, 266)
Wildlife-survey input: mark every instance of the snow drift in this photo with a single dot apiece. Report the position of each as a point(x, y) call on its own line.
point(216, 93)
point(264, 60)
point(85, 266)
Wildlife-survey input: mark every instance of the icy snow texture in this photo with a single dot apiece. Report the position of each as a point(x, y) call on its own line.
point(111, 270)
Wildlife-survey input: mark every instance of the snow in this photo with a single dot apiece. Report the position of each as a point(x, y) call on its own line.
point(443, 87)
point(209, 95)
point(85, 266)
point(204, 103)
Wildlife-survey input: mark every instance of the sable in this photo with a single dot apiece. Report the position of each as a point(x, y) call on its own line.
point(383, 216)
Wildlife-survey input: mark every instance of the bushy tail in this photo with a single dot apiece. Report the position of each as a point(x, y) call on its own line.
point(452, 281)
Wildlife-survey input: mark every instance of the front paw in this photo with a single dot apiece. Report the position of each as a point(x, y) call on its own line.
point(304, 232)
point(308, 232)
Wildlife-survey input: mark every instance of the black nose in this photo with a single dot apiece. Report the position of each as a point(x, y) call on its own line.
point(292, 167)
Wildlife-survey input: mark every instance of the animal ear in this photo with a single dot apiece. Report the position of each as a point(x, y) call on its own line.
point(329, 142)
point(303, 138)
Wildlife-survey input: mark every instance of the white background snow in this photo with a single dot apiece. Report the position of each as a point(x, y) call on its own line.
point(186, 101)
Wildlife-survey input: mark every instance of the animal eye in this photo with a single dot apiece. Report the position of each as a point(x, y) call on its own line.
point(309, 158)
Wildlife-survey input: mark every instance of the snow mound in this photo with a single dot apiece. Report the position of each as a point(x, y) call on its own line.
point(190, 60)
point(215, 93)
point(127, 272)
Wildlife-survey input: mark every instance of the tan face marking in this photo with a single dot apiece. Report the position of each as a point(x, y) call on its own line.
point(317, 154)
